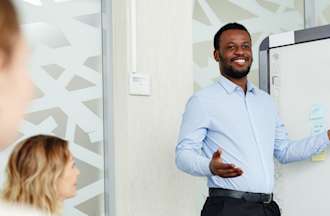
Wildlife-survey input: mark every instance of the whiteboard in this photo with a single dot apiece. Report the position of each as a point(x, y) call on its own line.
point(298, 78)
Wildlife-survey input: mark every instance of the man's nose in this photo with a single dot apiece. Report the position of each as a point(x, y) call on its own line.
point(239, 51)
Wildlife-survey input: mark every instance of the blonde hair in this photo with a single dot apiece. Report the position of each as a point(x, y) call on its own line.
point(33, 171)
point(9, 29)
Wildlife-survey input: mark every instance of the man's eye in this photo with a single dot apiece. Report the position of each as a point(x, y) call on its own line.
point(246, 46)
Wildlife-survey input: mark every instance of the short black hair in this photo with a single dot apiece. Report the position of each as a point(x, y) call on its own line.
point(216, 40)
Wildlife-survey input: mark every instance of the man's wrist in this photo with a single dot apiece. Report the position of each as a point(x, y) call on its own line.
point(210, 167)
point(329, 134)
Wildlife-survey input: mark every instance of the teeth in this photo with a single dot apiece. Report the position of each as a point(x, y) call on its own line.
point(241, 61)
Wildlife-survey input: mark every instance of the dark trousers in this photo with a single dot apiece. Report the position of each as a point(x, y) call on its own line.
point(225, 206)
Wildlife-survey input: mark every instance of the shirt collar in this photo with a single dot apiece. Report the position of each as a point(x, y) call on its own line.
point(230, 87)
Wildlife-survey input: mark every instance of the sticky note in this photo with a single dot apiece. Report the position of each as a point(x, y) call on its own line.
point(317, 120)
point(319, 157)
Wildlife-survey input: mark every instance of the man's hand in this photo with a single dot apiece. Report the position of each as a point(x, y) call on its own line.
point(221, 169)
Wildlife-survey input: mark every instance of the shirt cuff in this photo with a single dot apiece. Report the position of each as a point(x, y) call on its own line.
point(323, 141)
point(325, 138)
point(206, 167)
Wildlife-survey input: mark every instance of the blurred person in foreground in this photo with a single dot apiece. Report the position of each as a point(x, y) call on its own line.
point(15, 87)
point(41, 173)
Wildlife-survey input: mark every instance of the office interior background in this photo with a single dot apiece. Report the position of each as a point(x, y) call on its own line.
point(83, 53)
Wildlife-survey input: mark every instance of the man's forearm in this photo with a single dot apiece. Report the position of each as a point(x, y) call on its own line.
point(302, 149)
point(193, 163)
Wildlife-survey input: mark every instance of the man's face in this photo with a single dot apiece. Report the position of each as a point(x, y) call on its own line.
point(234, 53)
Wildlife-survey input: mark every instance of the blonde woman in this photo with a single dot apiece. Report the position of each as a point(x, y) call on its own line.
point(41, 173)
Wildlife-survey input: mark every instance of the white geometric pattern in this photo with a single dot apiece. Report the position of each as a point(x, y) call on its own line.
point(322, 8)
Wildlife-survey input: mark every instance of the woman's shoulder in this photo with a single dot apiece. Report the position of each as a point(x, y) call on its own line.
point(18, 210)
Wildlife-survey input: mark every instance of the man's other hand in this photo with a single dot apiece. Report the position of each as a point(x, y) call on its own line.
point(221, 169)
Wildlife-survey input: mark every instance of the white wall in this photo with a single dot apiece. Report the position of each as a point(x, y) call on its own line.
point(145, 128)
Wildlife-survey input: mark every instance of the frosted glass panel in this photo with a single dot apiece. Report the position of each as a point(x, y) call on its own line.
point(66, 68)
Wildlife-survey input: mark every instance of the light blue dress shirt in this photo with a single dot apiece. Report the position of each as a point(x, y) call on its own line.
point(247, 129)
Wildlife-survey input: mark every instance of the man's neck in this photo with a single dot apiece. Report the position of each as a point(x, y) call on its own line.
point(240, 82)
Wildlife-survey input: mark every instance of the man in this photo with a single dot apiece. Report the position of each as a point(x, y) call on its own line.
point(230, 132)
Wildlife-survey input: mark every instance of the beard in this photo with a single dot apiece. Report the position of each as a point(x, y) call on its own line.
point(235, 74)
point(230, 72)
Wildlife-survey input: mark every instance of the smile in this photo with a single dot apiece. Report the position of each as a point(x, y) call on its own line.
point(240, 61)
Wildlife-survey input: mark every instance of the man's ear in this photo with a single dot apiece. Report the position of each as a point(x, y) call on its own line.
point(216, 55)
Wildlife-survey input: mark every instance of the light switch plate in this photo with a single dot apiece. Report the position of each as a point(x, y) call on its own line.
point(140, 84)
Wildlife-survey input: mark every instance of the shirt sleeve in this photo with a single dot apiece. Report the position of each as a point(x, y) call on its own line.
point(189, 155)
point(286, 150)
